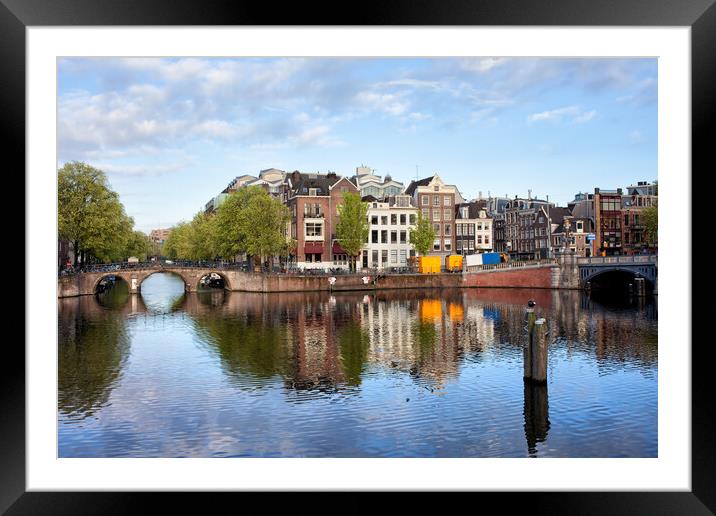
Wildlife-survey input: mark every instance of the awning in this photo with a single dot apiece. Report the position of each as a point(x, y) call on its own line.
point(311, 248)
point(337, 249)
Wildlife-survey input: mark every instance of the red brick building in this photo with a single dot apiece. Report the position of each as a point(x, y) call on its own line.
point(313, 200)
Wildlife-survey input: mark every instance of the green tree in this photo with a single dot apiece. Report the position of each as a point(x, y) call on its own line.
point(264, 223)
point(251, 221)
point(423, 235)
point(90, 214)
point(352, 228)
point(177, 244)
point(650, 217)
point(139, 245)
point(202, 238)
point(229, 224)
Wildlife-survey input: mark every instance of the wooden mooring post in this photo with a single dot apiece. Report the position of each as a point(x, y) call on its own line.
point(535, 350)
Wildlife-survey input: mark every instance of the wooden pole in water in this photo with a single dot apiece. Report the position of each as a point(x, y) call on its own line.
point(527, 349)
point(539, 351)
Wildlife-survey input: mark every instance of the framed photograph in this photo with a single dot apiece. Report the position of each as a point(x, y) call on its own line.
point(518, 152)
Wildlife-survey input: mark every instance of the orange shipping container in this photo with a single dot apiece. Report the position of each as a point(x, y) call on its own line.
point(453, 262)
point(429, 264)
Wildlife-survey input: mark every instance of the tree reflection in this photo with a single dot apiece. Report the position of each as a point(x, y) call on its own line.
point(93, 347)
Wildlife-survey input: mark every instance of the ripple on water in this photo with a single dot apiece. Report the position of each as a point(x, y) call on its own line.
point(403, 374)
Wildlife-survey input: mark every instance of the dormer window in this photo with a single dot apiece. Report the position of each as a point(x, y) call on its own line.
point(313, 191)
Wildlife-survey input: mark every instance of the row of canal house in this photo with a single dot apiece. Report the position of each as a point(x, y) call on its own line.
point(525, 228)
point(313, 198)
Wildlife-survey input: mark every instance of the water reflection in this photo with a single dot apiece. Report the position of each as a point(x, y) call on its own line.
point(93, 350)
point(536, 415)
point(401, 373)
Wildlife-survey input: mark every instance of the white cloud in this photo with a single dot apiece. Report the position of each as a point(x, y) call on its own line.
point(482, 65)
point(585, 117)
point(574, 113)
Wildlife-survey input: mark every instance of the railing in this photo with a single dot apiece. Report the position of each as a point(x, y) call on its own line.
point(510, 265)
point(606, 260)
point(163, 264)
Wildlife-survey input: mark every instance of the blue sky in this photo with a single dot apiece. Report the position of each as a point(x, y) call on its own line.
point(172, 132)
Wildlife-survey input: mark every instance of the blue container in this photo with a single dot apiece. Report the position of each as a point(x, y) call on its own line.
point(490, 258)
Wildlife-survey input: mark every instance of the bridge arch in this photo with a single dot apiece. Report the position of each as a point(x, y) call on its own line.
point(106, 275)
point(204, 273)
point(185, 277)
point(603, 272)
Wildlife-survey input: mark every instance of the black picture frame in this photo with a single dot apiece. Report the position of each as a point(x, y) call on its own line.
point(700, 15)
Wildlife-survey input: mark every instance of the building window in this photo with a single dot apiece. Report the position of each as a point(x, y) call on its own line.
point(487, 226)
point(374, 236)
point(436, 244)
point(458, 245)
point(471, 229)
point(393, 237)
point(384, 220)
point(447, 214)
point(394, 219)
point(448, 229)
point(426, 213)
point(403, 256)
point(412, 219)
point(447, 201)
point(384, 236)
point(448, 245)
point(471, 245)
point(436, 200)
point(374, 220)
point(384, 256)
point(459, 230)
point(402, 219)
point(375, 259)
point(393, 256)
point(436, 214)
point(487, 239)
point(403, 237)
point(436, 228)
point(464, 212)
point(425, 200)
point(314, 229)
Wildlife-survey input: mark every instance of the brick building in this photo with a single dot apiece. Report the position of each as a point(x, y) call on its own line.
point(436, 201)
point(313, 201)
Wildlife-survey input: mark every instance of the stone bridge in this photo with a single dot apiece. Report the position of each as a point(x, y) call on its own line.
point(640, 266)
point(86, 283)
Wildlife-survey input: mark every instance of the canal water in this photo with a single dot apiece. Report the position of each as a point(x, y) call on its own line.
point(411, 373)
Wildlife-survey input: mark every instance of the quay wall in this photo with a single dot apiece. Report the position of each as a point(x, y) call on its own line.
point(526, 277)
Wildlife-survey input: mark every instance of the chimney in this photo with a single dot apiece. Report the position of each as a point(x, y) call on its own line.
point(529, 195)
point(480, 194)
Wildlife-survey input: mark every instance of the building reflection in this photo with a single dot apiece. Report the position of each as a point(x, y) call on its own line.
point(327, 342)
point(323, 342)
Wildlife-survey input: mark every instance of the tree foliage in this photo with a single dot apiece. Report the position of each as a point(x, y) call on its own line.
point(651, 222)
point(91, 216)
point(352, 227)
point(249, 221)
point(423, 235)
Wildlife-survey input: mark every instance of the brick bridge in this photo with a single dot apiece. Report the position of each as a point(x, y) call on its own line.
point(640, 266)
point(86, 283)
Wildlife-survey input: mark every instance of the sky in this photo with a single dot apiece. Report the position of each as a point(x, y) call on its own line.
point(172, 132)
